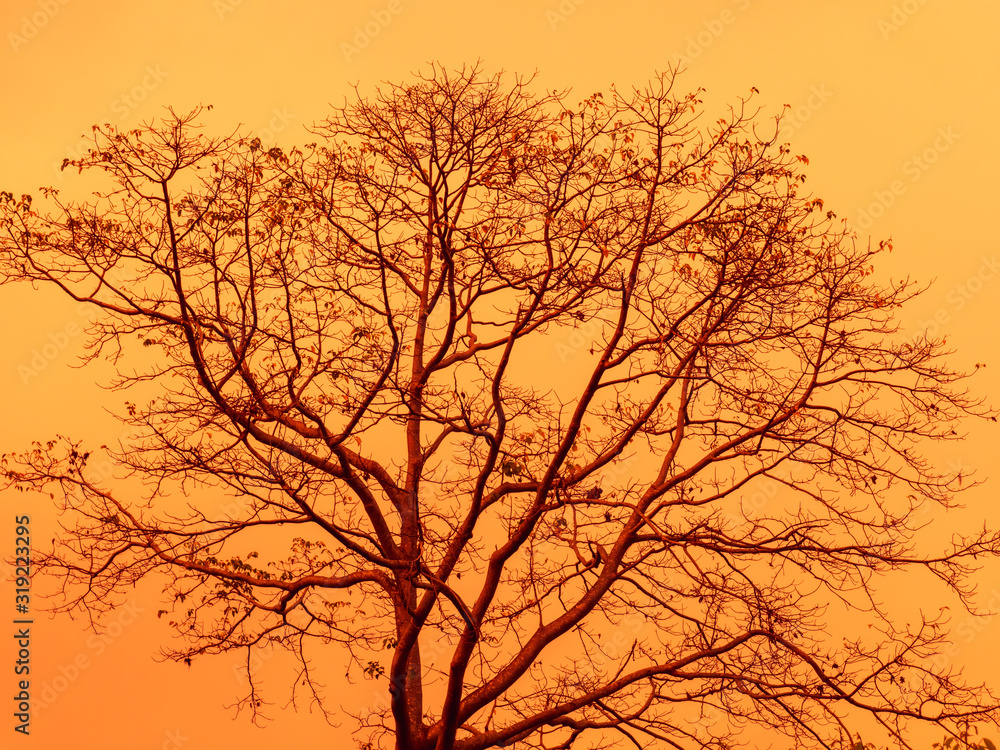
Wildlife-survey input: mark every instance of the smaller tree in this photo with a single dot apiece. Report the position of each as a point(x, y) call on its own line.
point(351, 339)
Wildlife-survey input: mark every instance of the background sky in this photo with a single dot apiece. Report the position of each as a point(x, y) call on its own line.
point(894, 103)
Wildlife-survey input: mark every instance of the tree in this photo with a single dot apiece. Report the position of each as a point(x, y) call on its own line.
point(496, 381)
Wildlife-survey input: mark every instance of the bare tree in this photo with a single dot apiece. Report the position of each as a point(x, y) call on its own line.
point(494, 376)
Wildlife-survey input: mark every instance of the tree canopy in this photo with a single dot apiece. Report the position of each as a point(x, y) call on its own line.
point(570, 422)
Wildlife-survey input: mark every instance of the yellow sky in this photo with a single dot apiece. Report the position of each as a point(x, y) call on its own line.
point(895, 103)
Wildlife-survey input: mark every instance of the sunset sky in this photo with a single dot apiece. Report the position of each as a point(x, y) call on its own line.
point(895, 103)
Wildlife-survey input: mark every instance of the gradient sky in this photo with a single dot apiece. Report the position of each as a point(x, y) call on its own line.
point(895, 104)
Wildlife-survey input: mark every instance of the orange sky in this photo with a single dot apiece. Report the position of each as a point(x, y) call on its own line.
point(895, 103)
